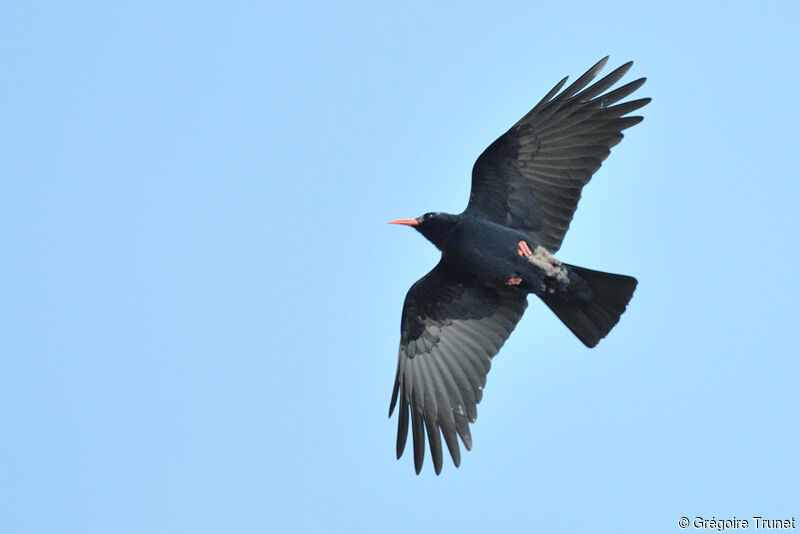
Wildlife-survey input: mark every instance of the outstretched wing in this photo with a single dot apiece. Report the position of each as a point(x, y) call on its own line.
point(531, 177)
point(450, 330)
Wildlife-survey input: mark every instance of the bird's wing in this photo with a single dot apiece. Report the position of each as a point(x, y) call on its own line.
point(450, 330)
point(531, 177)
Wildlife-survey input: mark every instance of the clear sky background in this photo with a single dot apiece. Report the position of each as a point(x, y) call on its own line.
point(200, 297)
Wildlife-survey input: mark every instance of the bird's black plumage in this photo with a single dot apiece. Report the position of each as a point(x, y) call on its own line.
point(525, 189)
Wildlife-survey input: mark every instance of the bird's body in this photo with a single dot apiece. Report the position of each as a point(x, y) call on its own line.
point(486, 253)
point(525, 188)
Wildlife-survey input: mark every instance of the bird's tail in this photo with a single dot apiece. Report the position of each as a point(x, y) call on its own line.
point(591, 319)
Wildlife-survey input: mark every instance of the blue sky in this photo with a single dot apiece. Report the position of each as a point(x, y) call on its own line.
point(200, 296)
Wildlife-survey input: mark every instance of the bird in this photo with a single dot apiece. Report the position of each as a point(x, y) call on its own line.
point(525, 188)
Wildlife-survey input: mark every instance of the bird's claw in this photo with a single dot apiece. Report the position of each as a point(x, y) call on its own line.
point(524, 250)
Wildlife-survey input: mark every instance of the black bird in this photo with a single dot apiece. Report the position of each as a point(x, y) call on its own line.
point(525, 188)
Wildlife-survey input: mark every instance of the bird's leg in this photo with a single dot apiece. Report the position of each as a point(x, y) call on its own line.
point(525, 251)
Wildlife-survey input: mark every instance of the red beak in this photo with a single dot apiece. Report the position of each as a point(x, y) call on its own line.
point(407, 222)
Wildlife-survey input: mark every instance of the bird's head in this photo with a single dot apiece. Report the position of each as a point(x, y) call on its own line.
point(434, 226)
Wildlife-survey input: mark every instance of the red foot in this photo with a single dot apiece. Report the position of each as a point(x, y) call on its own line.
point(514, 281)
point(524, 250)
